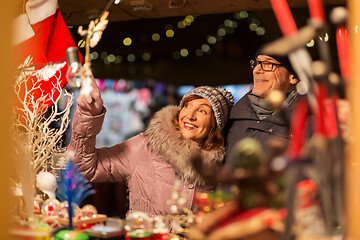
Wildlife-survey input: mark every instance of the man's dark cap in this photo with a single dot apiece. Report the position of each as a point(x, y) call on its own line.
point(284, 60)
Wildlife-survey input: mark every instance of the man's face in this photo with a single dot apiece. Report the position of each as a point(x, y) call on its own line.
point(277, 79)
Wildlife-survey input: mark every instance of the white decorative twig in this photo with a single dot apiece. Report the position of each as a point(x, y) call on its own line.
point(31, 116)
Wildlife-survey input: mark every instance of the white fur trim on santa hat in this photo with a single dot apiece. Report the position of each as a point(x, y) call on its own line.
point(22, 29)
point(39, 10)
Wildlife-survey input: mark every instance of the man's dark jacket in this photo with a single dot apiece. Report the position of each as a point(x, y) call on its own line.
point(244, 122)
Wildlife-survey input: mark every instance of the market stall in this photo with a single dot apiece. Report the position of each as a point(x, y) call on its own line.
point(48, 190)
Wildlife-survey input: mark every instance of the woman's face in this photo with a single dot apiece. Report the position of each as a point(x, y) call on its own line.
point(196, 119)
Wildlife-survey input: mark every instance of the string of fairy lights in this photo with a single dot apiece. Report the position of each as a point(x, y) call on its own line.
point(228, 27)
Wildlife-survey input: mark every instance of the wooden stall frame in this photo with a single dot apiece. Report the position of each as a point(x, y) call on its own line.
point(352, 168)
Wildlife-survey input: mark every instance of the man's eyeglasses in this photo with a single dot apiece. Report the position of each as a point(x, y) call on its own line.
point(265, 66)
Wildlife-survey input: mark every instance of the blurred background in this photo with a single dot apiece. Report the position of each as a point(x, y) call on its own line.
point(153, 51)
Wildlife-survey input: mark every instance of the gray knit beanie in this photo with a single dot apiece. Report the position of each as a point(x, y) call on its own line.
point(220, 100)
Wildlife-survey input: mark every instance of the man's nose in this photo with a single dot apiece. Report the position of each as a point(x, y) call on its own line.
point(258, 68)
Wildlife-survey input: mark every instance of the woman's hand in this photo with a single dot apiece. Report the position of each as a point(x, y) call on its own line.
point(90, 101)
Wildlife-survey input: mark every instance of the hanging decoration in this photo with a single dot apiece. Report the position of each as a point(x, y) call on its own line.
point(33, 124)
point(42, 36)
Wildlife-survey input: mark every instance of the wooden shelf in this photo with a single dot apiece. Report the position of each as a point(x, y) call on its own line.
point(99, 218)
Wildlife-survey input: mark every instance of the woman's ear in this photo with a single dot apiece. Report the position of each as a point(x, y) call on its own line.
point(293, 80)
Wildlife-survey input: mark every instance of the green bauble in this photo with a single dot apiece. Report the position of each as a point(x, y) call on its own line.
point(67, 234)
point(248, 154)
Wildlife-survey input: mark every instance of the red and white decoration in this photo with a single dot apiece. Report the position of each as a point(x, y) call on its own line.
point(42, 36)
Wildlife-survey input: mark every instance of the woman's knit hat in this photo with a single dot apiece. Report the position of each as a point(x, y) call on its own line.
point(220, 100)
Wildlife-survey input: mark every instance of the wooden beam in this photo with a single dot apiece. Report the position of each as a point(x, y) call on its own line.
point(77, 12)
point(6, 17)
point(352, 203)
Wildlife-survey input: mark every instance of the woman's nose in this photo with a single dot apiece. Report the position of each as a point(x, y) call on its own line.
point(192, 114)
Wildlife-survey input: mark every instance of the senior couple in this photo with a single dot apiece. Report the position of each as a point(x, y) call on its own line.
point(150, 162)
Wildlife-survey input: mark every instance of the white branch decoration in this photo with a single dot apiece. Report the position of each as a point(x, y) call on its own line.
point(93, 35)
point(31, 117)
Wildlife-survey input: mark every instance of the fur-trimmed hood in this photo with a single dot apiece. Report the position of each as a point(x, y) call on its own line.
point(166, 139)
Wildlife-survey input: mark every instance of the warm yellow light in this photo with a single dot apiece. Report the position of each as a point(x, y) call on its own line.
point(221, 32)
point(155, 37)
point(181, 24)
point(127, 41)
point(169, 33)
point(146, 56)
point(211, 40)
point(111, 58)
point(184, 52)
point(175, 237)
point(243, 14)
point(94, 55)
point(326, 38)
point(311, 43)
point(205, 48)
point(118, 59)
point(253, 27)
point(228, 23)
point(189, 18)
point(260, 31)
point(81, 43)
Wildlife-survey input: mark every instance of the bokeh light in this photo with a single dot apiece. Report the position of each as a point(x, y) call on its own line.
point(311, 43)
point(127, 41)
point(131, 57)
point(94, 55)
point(184, 52)
point(111, 58)
point(169, 33)
point(81, 43)
point(155, 37)
point(146, 56)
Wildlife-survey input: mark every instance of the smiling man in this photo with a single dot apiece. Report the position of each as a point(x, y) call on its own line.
point(253, 116)
point(269, 74)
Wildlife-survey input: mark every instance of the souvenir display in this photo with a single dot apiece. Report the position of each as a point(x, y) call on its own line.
point(295, 190)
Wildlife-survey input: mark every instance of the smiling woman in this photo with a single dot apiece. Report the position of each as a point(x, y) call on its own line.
point(196, 119)
point(150, 162)
point(203, 114)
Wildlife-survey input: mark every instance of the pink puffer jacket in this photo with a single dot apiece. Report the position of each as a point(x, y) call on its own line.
point(148, 163)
